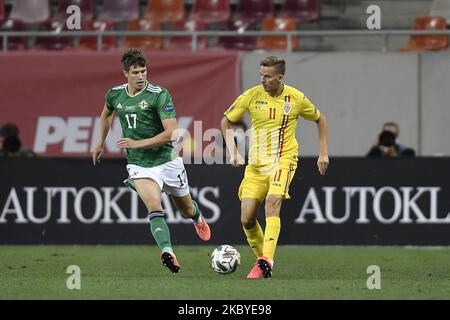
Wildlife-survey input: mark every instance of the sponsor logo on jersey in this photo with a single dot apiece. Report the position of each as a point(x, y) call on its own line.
point(260, 102)
point(129, 108)
point(168, 108)
point(143, 104)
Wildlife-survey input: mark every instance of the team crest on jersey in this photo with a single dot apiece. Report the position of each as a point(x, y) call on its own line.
point(287, 107)
point(143, 104)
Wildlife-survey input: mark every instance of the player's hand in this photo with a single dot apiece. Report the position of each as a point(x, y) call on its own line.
point(237, 160)
point(322, 163)
point(97, 153)
point(128, 143)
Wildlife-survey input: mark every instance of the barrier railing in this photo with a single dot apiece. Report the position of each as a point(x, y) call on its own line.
point(384, 34)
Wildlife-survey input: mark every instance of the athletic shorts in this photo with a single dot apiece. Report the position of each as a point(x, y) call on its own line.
point(275, 180)
point(170, 176)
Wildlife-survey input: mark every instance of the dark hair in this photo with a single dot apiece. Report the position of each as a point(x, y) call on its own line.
point(132, 58)
point(12, 144)
point(277, 62)
point(8, 130)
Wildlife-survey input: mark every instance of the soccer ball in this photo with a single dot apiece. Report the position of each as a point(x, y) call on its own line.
point(225, 259)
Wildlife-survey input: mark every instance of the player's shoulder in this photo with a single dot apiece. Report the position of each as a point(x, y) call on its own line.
point(118, 89)
point(297, 94)
point(154, 88)
point(254, 91)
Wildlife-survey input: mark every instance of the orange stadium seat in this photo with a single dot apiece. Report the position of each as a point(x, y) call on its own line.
point(91, 42)
point(119, 10)
point(211, 11)
point(254, 10)
point(144, 42)
point(238, 42)
point(14, 43)
point(30, 11)
point(53, 43)
point(441, 8)
point(185, 43)
point(277, 42)
point(301, 10)
point(427, 42)
point(86, 8)
point(165, 11)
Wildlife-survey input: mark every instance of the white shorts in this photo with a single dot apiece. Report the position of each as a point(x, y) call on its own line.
point(170, 176)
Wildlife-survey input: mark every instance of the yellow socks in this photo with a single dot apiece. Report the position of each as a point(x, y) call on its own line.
point(273, 227)
point(255, 239)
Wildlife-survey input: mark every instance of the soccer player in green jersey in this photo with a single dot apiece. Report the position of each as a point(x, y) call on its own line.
point(148, 120)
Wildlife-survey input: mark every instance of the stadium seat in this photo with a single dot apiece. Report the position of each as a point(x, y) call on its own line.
point(277, 42)
point(427, 42)
point(254, 10)
point(239, 42)
point(185, 43)
point(86, 8)
point(2, 10)
point(53, 43)
point(441, 8)
point(211, 11)
point(30, 11)
point(119, 10)
point(91, 42)
point(14, 43)
point(301, 10)
point(165, 11)
point(144, 42)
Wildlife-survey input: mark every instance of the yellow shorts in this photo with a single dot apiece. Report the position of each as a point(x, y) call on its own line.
point(275, 180)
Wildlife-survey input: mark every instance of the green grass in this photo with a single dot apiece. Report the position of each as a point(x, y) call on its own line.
point(134, 272)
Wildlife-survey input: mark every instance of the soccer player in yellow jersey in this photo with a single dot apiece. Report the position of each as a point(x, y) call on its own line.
point(274, 108)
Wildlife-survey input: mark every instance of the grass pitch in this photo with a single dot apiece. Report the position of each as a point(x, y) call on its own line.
point(135, 272)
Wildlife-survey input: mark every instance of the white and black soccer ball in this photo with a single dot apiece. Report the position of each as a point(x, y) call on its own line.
point(225, 259)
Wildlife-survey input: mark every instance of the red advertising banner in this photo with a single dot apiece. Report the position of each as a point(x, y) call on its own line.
point(56, 98)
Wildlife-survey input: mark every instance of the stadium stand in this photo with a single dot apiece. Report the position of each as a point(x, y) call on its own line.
point(53, 43)
point(238, 42)
point(277, 42)
point(302, 10)
point(185, 43)
point(254, 10)
point(2, 11)
point(428, 42)
point(91, 42)
point(144, 42)
point(441, 8)
point(14, 43)
point(120, 10)
point(30, 11)
point(86, 7)
point(211, 11)
point(166, 11)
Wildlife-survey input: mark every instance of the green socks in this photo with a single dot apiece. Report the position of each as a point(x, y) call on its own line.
point(196, 216)
point(160, 231)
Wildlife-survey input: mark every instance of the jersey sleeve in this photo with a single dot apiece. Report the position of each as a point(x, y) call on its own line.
point(109, 100)
point(238, 108)
point(165, 107)
point(308, 110)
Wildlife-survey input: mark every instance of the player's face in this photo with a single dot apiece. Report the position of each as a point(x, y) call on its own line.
point(136, 77)
point(270, 79)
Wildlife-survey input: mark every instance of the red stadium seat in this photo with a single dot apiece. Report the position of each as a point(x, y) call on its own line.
point(30, 11)
point(53, 43)
point(211, 11)
point(185, 43)
point(239, 42)
point(427, 42)
point(254, 10)
point(165, 11)
point(14, 43)
point(301, 10)
point(86, 8)
point(277, 42)
point(144, 42)
point(119, 10)
point(2, 10)
point(91, 42)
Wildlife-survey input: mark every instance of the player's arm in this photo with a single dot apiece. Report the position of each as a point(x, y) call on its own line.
point(227, 129)
point(105, 123)
point(168, 135)
point(322, 130)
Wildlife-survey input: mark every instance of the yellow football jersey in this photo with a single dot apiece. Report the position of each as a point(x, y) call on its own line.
point(273, 122)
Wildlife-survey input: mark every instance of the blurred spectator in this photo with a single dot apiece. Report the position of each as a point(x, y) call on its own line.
point(10, 144)
point(387, 144)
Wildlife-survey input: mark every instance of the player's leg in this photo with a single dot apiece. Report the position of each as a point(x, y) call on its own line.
point(148, 185)
point(251, 226)
point(176, 184)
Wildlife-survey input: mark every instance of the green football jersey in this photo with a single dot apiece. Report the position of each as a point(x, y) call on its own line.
point(140, 117)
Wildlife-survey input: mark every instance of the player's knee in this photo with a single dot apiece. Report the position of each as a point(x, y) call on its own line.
point(248, 222)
